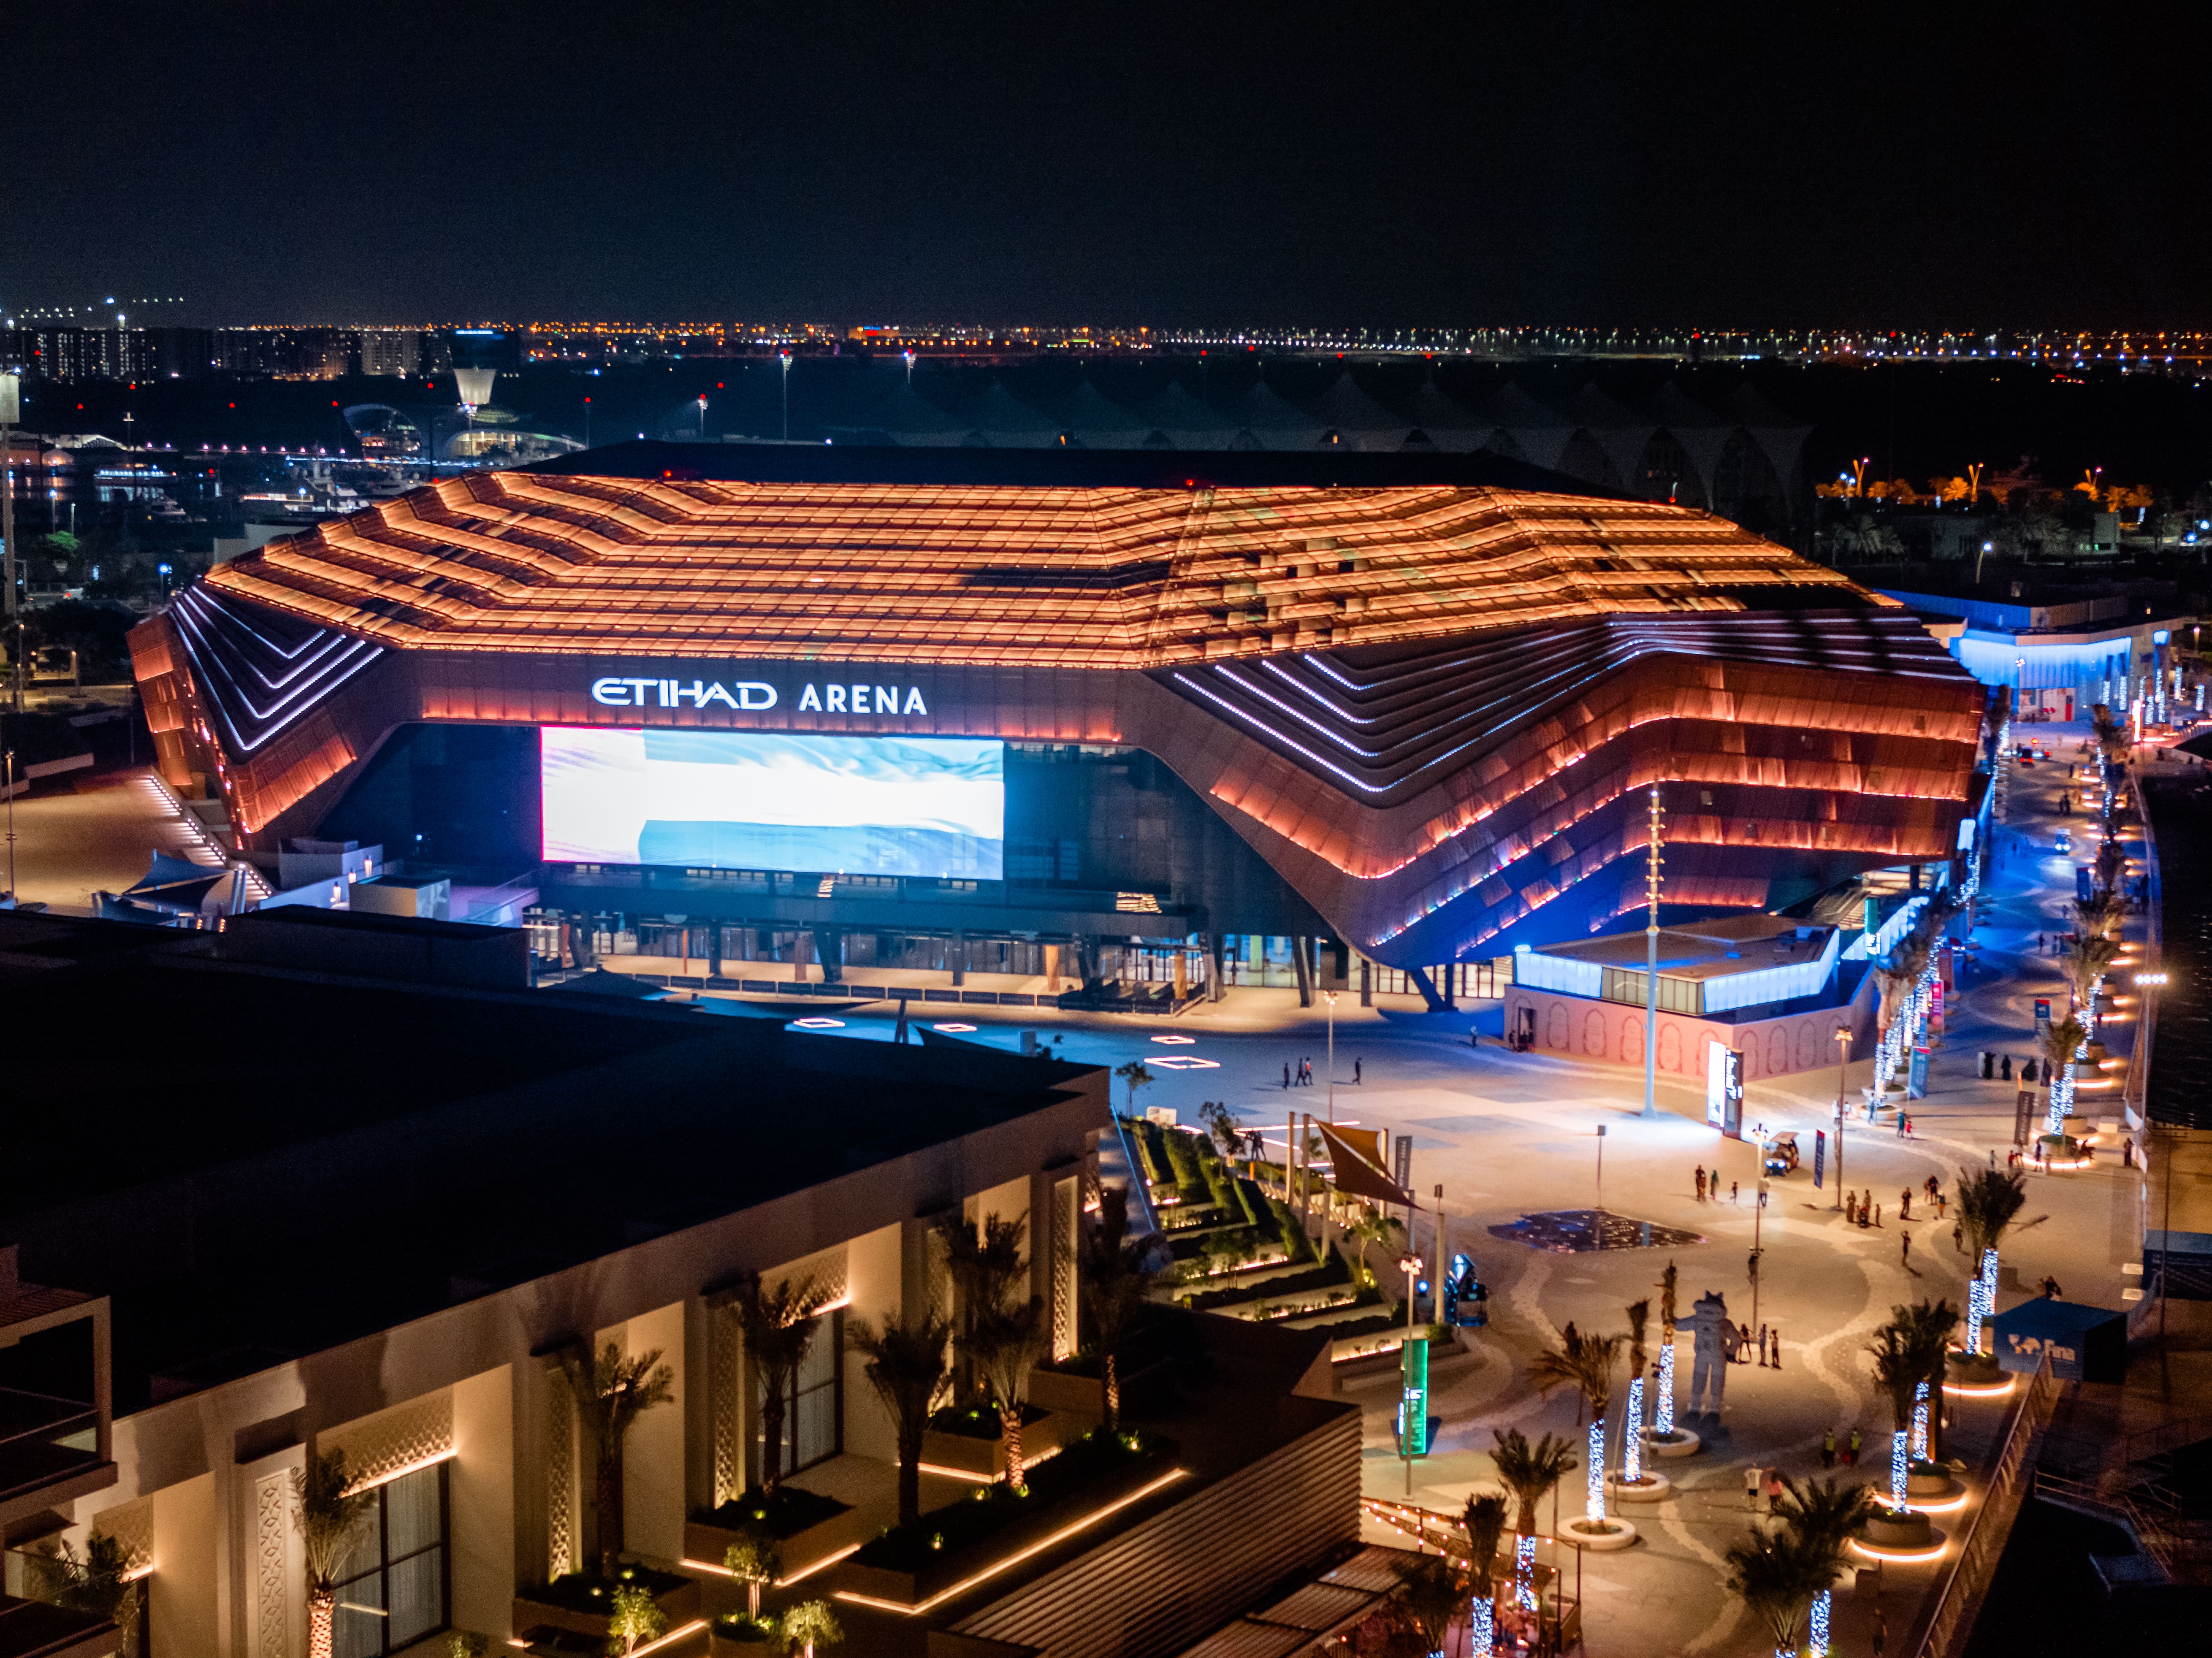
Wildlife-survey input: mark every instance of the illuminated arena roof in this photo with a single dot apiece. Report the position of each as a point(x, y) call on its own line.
point(1054, 559)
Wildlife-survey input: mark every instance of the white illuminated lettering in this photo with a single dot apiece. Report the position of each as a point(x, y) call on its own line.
point(611, 692)
point(637, 690)
point(836, 699)
point(752, 693)
point(860, 699)
point(913, 703)
point(715, 691)
point(696, 690)
point(886, 699)
point(667, 693)
point(809, 698)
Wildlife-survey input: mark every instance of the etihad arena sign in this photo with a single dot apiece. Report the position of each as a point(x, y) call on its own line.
point(755, 695)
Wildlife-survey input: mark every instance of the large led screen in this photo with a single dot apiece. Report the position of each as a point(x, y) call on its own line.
point(853, 805)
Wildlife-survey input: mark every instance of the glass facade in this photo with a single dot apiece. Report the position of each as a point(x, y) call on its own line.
point(393, 1584)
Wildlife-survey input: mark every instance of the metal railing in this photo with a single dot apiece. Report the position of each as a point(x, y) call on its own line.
point(2149, 1515)
point(2135, 1091)
point(1959, 1599)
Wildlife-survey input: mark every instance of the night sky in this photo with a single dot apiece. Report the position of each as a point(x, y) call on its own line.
point(1187, 164)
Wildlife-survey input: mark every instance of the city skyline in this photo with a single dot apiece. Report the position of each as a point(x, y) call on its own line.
point(1178, 169)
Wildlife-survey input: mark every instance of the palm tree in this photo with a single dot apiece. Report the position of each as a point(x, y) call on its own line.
point(2060, 1043)
point(779, 1327)
point(983, 1261)
point(1430, 1594)
point(93, 1582)
point(1907, 1352)
point(1584, 1363)
point(1825, 1512)
point(2087, 960)
point(327, 1513)
point(1004, 1343)
point(1483, 1522)
point(809, 1624)
point(1116, 1273)
point(2097, 912)
point(906, 1365)
point(1989, 1201)
point(1529, 1473)
point(1777, 1577)
point(1928, 1326)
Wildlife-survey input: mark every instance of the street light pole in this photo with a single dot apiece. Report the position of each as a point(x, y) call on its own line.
point(1411, 1263)
point(785, 358)
point(10, 412)
point(1652, 964)
point(1842, 1053)
point(1329, 996)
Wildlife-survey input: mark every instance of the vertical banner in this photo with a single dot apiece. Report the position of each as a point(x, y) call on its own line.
point(1413, 1408)
point(1403, 1153)
point(1915, 1084)
point(2042, 1017)
point(1819, 1156)
point(1716, 1084)
point(2023, 1111)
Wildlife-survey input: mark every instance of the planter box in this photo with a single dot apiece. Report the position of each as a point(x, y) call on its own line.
point(986, 1458)
point(912, 1587)
point(679, 1604)
point(705, 1540)
point(1065, 1394)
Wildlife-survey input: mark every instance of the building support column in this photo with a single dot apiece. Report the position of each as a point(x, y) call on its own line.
point(1427, 986)
point(957, 953)
point(1217, 980)
point(1366, 982)
point(1304, 967)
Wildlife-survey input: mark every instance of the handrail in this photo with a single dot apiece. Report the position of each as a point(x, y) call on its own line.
point(2135, 1090)
point(2150, 1532)
point(1972, 1568)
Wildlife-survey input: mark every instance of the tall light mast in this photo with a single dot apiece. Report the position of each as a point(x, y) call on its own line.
point(1653, 860)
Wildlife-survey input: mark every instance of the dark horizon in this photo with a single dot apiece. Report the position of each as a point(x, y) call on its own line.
point(1167, 166)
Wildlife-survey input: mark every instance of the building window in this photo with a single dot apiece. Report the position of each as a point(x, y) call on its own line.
point(814, 1408)
point(392, 1586)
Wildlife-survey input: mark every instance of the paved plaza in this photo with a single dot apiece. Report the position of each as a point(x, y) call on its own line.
point(1506, 1134)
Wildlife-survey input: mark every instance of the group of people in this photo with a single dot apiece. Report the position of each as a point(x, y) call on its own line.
point(1848, 1448)
point(1996, 1068)
point(1713, 1181)
point(1738, 1344)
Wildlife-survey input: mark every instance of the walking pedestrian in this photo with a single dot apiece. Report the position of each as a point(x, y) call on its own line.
point(1904, 1122)
point(1701, 1183)
point(1881, 1633)
point(1905, 1250)
point(1732, 1198)
point(1851, 1208)
point(1853, 1459)
point(2127, 1153)
point(1905, 1204)
point(1828, 1449)
point(1958, 1236)
point(1286, 1073)
point(1762, 1346)
point(1774, 1346)
point(1877, 1214)
point(2004, 1070)
point(1356, 1078)
point(1751, 1484)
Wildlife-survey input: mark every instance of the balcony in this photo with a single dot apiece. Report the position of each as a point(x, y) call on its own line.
point(54, 1429)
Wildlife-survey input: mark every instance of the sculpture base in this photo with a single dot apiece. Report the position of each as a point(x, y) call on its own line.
point(1648, 1489)
point(1896, 1531)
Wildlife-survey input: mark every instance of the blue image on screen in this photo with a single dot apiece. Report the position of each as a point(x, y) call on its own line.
point(910, 807)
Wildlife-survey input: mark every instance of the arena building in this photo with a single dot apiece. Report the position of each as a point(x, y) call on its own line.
point(1112, 719)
